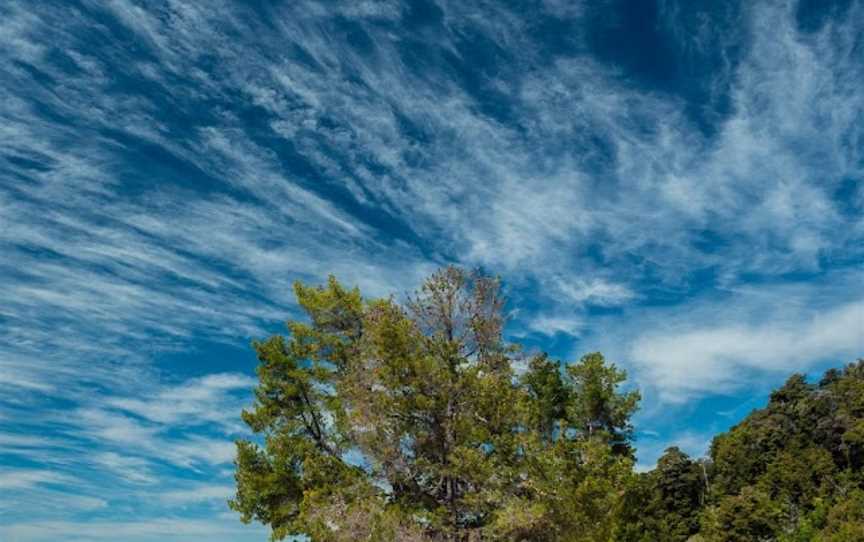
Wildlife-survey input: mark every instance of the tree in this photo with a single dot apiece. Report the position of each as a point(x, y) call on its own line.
point(750, 515)
point(576, 460)
point(664, 504)
point(406, 421)
point(595, 406)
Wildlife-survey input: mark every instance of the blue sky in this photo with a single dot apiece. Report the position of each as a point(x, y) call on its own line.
point(675, 183)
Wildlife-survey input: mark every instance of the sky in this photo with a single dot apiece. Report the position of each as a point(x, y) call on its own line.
point(675, 183)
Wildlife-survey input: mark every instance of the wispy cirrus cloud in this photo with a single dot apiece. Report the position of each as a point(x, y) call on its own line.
point(690, 361)
point(133, 468)
point(749, 338)
point(150, 530)
point(197, 494)
point(27, 478)
point(192, 402)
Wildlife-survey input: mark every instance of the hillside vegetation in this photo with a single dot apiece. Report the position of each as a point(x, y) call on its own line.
point(383, 421)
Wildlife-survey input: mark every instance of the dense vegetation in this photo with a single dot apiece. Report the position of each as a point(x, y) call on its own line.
point(793, 471)
point(419, 422)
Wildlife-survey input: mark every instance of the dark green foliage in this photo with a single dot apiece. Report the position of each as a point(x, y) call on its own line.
point(595, 404)
point(546, 397)
point(792, 470)
point(664, 504)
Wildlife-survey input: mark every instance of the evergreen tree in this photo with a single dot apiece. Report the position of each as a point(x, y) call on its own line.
point(447, 443)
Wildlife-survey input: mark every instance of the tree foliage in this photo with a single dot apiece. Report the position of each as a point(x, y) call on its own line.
point(408, 421)
point(417, 421)
point(791, 472)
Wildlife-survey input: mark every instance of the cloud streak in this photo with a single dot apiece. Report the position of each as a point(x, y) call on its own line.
point(721, 358)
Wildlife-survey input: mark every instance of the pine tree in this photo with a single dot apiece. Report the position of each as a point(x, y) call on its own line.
point(388, 421)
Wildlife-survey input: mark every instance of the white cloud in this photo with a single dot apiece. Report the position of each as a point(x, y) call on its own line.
point(198, 494)
point(550, 325)
point(205, 400)
point(595, 291)
point(28, 478)
point(720, 357)
point(517, 201)
point(112, 429)
point(132, 468)
point(43, 502)
point(161, 529)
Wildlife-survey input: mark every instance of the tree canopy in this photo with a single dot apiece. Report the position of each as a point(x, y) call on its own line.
point(419, 421)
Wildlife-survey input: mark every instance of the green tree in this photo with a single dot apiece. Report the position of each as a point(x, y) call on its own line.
point(596, 406)
point(387, 421)
point(665, 503)
point(576, 461)
point(749, 516)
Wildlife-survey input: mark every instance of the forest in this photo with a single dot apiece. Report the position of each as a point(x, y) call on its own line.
point(418, 421)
